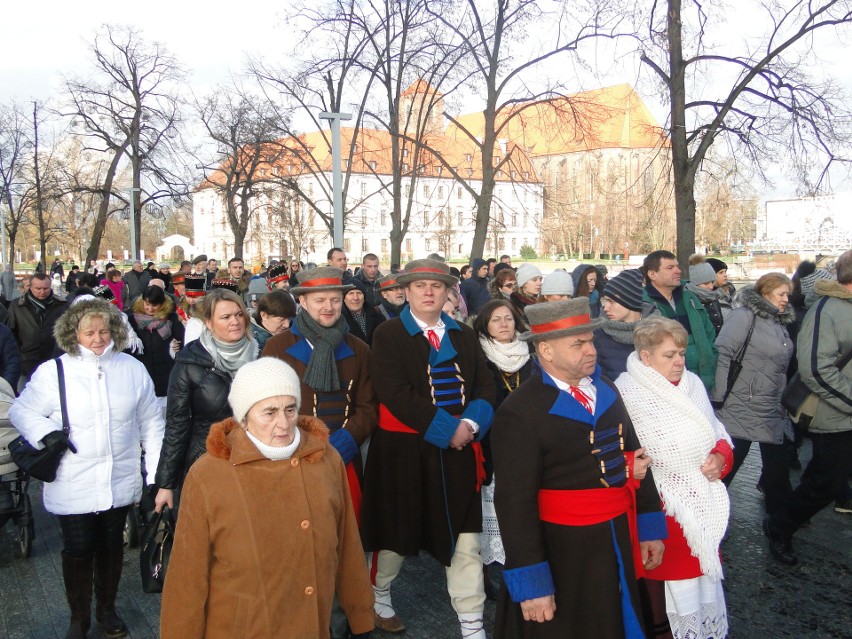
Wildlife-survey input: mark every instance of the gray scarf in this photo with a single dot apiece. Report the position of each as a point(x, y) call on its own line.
point(321, 373)
point(704, 296)
point(229, 356)
point(621, 332)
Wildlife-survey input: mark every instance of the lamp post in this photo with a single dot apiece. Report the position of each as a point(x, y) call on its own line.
point(336, 172)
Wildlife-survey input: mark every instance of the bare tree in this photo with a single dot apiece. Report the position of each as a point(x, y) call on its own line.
point(15, 189)
point(130, 111)
point(245, 130)
point(763, 99)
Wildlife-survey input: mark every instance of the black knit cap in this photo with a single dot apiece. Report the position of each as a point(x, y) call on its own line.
point(717, 264)
point(626, 289)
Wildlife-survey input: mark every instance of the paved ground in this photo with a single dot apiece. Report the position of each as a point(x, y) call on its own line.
point(765, 599)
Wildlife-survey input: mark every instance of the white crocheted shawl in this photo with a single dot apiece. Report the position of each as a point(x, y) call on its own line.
point(678, 429)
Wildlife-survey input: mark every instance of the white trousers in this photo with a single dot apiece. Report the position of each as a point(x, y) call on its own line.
point(465, 580)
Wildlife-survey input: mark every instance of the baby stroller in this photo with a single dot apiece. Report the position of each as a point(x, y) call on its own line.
point(15, 502)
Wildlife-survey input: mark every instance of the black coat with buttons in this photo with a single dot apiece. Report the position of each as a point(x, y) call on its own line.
point(197, 398)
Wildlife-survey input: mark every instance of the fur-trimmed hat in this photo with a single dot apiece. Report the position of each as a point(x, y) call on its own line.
point(426, 270)
point(194, 285)
point(104, 292)
point(388, 282)
point(199, 258)
point(258, 380)
point(178, 278)
point(231, 285)
point(558, 283)
point(322, 278)
point(65, 329)
point(526, 272)
point(277, 273)
point(559, 319)
point(626, 289)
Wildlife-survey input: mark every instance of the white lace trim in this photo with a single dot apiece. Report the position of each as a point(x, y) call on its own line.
point(490, 542)
point(696, 608)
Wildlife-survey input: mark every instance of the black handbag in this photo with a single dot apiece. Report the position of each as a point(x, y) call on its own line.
point(157, 542)
point(736, 366)
point(43, 463)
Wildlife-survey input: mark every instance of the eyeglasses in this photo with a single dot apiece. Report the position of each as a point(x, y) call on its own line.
point(509, 285)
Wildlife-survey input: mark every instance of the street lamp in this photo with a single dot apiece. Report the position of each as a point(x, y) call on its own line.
point(336, 172)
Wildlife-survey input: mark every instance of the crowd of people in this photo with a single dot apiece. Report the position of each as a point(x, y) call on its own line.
point(310, 428)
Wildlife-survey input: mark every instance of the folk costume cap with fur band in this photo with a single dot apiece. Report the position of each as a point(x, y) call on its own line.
point(426, 270)
point(223, 283)
point(104, 292)
point(322, 278)
point(277, 273)
point(194, 285)
point(550, 320)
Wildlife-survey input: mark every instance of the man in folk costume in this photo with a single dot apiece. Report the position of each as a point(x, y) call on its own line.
point(195, 287)
point(578, 526)
point(424, 469)
point(393, 297)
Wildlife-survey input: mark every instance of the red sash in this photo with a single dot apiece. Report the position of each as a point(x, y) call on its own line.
point(354, 490)
point(388, 422)
point(593, 506)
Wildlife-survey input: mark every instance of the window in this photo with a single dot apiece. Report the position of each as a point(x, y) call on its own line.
point(440, 192)
point(513, 174)
point(404, 152)
point(496, 160)
point(459, 193)
point(363, 189)
point(383, 218)
point(439, 170)
point(526, 175)
point(372, 166)
point(427, 190)
point(468, 157)
point(428, 245)
point(365, 245)
point(441, 218)
point(407, 190)
point(498, 173)
point(514, 243)
point(384, 245)
point(347, 245)
point(405, 167)
point(460, 218)
point(408, 246)
point(514, 219)
point(422, 169)
point(469, 172)
point(425, 218)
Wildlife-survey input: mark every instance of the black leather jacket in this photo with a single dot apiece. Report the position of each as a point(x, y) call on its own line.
point(198, 398)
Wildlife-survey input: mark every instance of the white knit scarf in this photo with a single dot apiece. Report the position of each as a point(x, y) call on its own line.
point(678, 429)
point(509, 357)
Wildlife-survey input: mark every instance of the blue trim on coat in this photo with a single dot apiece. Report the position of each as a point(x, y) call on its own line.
point(568, 407)
point(529, 582)
point(481, 412)
point(302, 350)
point(344, 444)
point(441, 429)
point(652, 526)
point(632, 628)
point(447, 351)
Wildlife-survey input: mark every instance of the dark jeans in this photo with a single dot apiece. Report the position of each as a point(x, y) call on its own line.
point(775, 479)
point(82, 535)
point(822, 481)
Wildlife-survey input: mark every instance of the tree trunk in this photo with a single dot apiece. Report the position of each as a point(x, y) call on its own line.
point(103, 210)
point(39, 204)
point(684, 175)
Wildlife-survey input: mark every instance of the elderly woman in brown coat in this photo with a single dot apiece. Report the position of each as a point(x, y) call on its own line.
point(267, 535)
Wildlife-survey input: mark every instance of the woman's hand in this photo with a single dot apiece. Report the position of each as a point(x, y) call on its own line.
point(713, 466)
point(165, 497)
point(641, 461)
point(540, 609)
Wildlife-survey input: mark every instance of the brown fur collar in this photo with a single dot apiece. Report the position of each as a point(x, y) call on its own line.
point(832, 288)
point(166, 308)
point(217, 439)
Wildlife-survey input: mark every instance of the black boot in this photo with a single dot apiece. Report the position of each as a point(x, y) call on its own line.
point(77, 574)
point(108, 563)
point(780, 545)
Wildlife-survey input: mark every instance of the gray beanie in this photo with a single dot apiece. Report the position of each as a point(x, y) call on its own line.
point(525, 273)
point(558, 283)
point(701, 273)
point(258, 380)
point(809, 281)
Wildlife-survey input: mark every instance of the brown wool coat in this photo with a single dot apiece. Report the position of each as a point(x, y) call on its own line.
point(263, 546)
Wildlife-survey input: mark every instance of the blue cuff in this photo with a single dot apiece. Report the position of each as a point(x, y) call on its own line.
point(441, 429)
point(652, 526)
point(529, 582)
point(344, 444)
point(482, 413)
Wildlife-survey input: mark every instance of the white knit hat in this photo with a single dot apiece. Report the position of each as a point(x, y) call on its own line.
point(558, 283)
point(525, 273)
point(258, 380)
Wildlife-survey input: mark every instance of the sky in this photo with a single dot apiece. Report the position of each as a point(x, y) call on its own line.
point(43, 40)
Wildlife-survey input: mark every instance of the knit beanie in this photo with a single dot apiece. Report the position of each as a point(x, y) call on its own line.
point(809, 281)
point(525, 273)
point(626, 289)
point(701, 273)
point(258, 380)
point(717, 264)
point(558, 283)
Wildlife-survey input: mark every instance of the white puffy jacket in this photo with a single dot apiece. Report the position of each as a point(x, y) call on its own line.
point(111, 408)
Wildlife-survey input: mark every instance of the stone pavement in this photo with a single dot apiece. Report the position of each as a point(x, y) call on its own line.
point(765, 599)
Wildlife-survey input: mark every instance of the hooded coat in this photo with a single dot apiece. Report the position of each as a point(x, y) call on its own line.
point(111, 408)
point(825, 337)
point(475, 289)
point(753, 410)
point(263, 546)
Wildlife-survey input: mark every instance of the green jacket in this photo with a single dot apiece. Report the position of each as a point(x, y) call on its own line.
point(825, 337)
point(701, 352)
